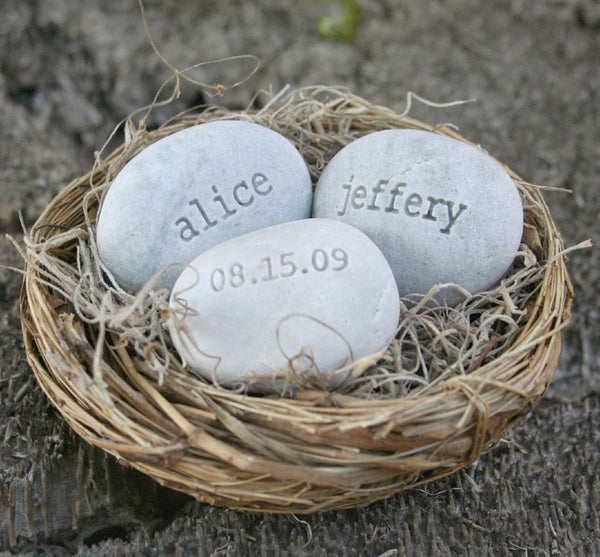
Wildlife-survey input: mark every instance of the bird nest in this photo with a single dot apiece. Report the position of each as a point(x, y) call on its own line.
point(449, 385)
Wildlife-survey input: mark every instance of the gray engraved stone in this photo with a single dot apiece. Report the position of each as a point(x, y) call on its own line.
point(315, 293)
point(194, 189)
point(441, 211)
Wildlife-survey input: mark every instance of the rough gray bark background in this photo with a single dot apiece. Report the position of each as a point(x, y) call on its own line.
point(70, 70)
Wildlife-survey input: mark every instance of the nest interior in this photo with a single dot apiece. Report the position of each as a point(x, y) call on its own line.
point(446, 389)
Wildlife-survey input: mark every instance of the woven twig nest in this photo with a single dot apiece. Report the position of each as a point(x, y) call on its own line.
point(448, 387)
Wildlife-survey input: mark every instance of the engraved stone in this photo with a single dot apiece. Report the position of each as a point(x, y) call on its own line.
point(194, 189)
point(441, 211)
point(313, 294)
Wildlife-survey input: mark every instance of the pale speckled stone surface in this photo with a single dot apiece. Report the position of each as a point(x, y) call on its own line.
point(440, 210)
point(316, 287)
point(195, 189)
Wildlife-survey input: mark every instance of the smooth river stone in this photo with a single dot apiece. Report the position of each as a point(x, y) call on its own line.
point(441, 211)
point(312, 290)
point(194, 189)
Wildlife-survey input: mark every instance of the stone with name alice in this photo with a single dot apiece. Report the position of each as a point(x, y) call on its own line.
point(194, 189)
point(441, 211)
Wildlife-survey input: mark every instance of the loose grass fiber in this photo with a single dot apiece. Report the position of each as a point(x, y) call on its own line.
point(448, 387)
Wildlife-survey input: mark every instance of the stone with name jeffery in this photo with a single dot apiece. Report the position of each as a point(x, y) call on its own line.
point(312, 291)
point(194, 189)
point(441, 211)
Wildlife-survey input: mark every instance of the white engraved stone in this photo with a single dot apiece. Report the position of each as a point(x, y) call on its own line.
point(313, 294)
point(194, 189)
point(441, 211)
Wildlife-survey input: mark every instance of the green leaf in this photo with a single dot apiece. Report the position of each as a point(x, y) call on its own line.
point(340, 28)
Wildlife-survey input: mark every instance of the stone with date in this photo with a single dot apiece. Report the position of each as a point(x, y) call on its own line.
point(194, 189)
point(304, 297)
point(442, 211)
